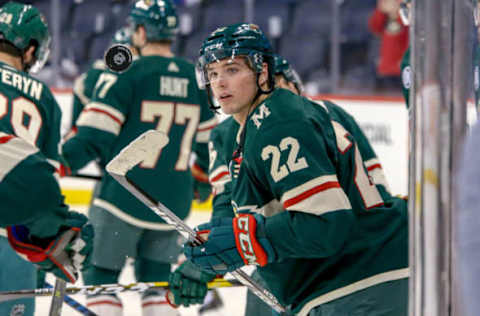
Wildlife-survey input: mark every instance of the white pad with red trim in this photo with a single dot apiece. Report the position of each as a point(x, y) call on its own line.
point(154, 305)
point(105, 305)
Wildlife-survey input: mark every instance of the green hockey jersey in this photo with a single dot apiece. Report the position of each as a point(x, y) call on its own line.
point(334, 229)
point(24, 169)
point(407, 76)
point(29, 110)
point(155, 93)
point(224, 140)
point(83, 88)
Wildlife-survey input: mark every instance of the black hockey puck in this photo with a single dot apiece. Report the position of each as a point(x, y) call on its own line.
point(118, 58)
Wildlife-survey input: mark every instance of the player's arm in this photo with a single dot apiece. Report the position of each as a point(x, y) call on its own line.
point(99, 123)
point(370, 158)
point(52, 127)
point(202, 188)
point(318, 218)
point(299, 169)
point(80, 98)
point(40, 227)
point(219, 176)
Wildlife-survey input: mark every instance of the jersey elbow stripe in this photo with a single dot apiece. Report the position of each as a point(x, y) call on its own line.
point(101, 117)
point(107, 110)
point(221, 173)
point(202, 137)
point(207, 125)
point(12, 152)
point(318, 196)
point(375, 170)
point(204, 129)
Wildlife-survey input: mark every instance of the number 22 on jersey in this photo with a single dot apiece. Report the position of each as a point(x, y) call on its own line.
point(25, 118)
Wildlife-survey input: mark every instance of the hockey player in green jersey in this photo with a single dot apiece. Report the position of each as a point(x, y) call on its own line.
point(184, 282)
point(30, 131)
point(158, 91)
point(406, 69)
point(326, 238)
point(84, 85)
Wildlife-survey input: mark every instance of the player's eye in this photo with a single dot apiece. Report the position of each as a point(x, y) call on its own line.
point(212, 75)
point(232, 70)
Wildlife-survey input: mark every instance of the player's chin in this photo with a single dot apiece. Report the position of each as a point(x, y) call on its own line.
point(227, 107)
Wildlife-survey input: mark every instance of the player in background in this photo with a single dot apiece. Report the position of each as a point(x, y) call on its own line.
point(406, 69)
point(30, 133)
point(184, 282)
point(326, 238)
point(84, 85)
point(158, 91)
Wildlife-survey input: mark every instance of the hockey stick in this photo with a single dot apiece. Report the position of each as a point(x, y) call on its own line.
point(106, 289)
point(147, 145)
point(85, 176)
point(57, 298)
point(74, 304)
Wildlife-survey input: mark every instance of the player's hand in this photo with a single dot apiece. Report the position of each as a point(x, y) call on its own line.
point(63, 254)
point(188, 285)
point(231, 244)
point(201, 187)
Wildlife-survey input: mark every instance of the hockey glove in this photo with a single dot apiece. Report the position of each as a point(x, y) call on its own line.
point(201, 187)
point(63, 254)
point(188, 285)
point(231, 244)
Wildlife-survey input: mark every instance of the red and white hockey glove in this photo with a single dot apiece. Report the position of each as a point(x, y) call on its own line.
point(63, 254)
point(231, 244)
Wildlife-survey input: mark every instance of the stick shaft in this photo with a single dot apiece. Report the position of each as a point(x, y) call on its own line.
point(76, 305)
point(107, 289)
point(171, 218)
point(57, 298)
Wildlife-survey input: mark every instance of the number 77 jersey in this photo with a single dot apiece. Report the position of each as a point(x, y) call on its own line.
point(330, 224)
point(155, 93)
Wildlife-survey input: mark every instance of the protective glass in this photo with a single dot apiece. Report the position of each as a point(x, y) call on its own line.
point(208, 74)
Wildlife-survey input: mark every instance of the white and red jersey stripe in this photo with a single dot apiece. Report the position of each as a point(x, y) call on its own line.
point(375, 171)
point(101, 116)
point(218, 178)
point(13, 150)
point(204, 129)
point(318, 196)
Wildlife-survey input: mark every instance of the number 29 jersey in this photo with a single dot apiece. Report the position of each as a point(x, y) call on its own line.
point(29, 110)
point(155, 93)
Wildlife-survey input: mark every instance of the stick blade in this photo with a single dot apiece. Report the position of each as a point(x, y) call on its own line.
point(142, 147)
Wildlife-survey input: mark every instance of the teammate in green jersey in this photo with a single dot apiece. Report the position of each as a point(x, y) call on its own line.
point(406, 69)
point(31, 199)
point(84, 85)
point(158, 91)
point(327, 239)
point(222, 144)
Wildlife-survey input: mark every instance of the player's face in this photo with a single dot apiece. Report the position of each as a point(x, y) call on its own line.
point(233, 84)
point(280, 82)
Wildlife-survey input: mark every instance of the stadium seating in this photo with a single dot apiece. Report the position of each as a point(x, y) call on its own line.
point(301, 30)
